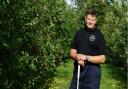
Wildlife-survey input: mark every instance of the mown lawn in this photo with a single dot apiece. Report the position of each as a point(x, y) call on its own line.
point(112, 77)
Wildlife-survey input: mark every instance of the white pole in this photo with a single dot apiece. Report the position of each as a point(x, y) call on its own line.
point(78, 76)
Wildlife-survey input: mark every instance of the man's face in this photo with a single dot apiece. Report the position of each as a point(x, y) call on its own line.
point(90, 21)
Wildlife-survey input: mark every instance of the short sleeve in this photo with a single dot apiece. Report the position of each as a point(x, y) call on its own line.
point(74, 42)
point(101, 45)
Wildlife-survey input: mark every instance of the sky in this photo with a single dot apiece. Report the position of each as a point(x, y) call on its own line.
point(70, 3)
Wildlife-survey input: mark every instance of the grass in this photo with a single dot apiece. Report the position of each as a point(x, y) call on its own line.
point(63, 76)
point(112, 77)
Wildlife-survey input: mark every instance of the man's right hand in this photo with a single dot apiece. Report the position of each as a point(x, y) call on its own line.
point(81, 62)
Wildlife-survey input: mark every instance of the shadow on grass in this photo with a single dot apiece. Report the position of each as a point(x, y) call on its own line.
point(118, 74)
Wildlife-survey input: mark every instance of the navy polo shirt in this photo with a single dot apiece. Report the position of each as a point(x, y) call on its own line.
point(89, 42)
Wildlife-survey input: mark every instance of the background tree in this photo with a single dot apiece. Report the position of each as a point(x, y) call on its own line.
point(32, 42)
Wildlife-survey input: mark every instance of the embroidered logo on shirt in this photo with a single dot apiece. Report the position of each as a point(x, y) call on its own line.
point(92, 38)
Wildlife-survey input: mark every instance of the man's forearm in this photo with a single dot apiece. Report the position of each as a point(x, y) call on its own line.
point(73, 54)
point(96, 59)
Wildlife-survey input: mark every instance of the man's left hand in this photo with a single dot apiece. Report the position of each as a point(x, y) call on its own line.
point(81, 57)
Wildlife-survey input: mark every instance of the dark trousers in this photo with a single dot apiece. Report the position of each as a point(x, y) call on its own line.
point(90, 76)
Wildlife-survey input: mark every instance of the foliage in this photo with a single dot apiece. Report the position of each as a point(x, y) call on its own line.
point(32, 42)
point(115, 31)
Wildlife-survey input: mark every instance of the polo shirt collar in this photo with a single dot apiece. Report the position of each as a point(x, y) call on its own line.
point(89, 30)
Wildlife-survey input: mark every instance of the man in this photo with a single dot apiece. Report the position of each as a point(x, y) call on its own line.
point(88, 50)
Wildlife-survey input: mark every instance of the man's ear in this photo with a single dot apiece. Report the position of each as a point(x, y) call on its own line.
point(85, 18)
point(96, 22)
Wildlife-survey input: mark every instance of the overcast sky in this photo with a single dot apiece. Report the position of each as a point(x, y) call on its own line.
point(70, 3)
